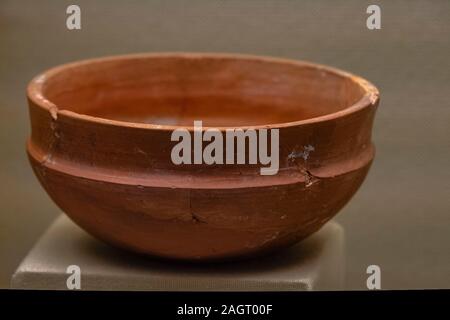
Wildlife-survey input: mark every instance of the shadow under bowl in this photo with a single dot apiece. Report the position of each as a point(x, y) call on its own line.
point(101, 147)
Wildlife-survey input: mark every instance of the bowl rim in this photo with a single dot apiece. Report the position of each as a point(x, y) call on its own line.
point(370, 97)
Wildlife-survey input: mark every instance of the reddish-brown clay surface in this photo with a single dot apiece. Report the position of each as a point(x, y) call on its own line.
point(101, 145)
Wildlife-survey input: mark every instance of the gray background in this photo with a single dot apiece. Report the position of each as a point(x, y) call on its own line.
point(399, 219)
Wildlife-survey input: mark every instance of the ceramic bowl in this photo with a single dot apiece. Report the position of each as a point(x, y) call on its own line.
point(101, 147)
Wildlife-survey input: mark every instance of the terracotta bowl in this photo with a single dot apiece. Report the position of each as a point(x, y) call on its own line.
point(101, 147)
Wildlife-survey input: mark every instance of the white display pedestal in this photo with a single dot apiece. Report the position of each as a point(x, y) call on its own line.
point(317, 263)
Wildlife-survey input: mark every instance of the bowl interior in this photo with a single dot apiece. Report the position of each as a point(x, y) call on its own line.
point(220, 91)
